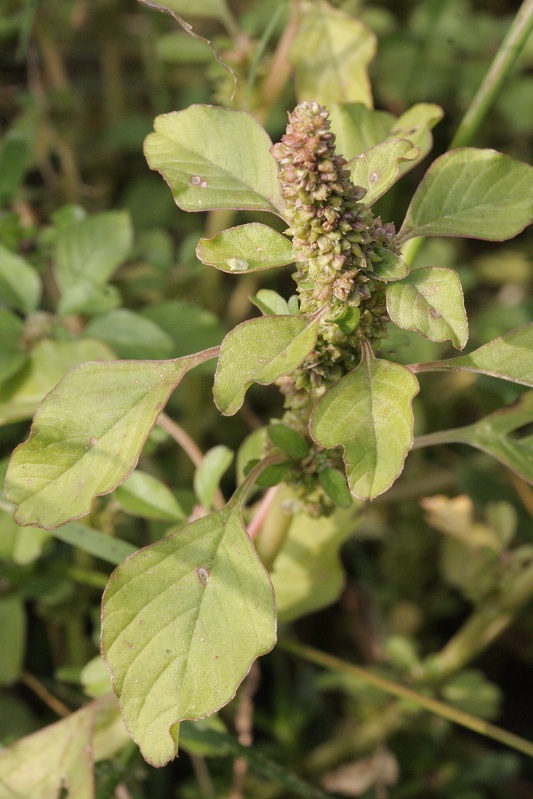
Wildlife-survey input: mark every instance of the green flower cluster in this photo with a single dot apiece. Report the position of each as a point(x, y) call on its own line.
point(336, 238)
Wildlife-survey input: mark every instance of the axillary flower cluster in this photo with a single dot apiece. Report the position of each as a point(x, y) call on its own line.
point(337, 241)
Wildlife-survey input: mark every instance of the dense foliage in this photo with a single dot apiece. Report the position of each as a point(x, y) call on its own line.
point(320, 298)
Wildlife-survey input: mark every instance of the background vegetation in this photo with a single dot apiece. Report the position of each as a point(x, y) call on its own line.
point(430, 567)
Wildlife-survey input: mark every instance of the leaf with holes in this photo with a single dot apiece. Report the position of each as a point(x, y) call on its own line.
point(183, 620)
point(378, 168)
point(215, 158)
point(260, 351)
point(480, 194)
point(246, 248)
point(87, 436)
point(430, 301)
point(369, 414)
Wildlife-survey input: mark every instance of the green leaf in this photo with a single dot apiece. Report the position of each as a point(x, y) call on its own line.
point(507, 357)
point(430, 301)
point(274, 474)
point(13, 355)
point(87, 254)
point(288, 440)
point(331, 52)
point(101, 545)
point(20, 285)
point(61, 757)
point(246, 248)
point(144, 495)
point(481, 194)
point(21, 545)
point(82, 449)
point(215, 158)
point(369, 413)
point(358, 128)
point(334, 484)
point(271, 303)
point(208, 475)
point(13, 626)
point(183, 620)
point(498, 434)
point(47, 363)
point(14, 161)
point(260, 351)
point(307, 573)
point(202, 8)
point(131, 335)
point(389, 267)
point(378, 168)
point(415, 125)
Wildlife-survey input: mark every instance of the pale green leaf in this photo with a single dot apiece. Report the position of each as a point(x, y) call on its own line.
point(47, 363)
point(22, 545)
point(215, 158)
point(498, 434)
point(271, 303)
point(430, 301)
point(260, 351)
point(307, 574)
point(331, 52)
point(508, 357)
point(288, 440)
point(131, 335)
point(378, 168)
point(20, 285)
point(183, 620)
point(369, 413)
point(101, 545)
point(58, 756)
point(246, 248)
point(144, 495)
point(87, 254)
point(87, 436)
point(13, 626)
point(358, 128)
point(480, 194)
point(209, 473)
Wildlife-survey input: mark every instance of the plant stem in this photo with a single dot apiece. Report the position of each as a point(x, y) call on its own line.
point(260, 51)
point(503, 62)
point(44, 694)
point(428, 703)
point(439, 437)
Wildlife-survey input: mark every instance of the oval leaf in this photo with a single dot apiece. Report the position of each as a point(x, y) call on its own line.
point(246, 248)
point(144, 495)
point(378, 168)
point(20, 285)
point(183, 620)
point(214, 158)
point(260, 351)
point(480, 194)
point(208, 475)
point(369, 414)
point(330, 53)
point(87, 436)
point(430, 301)
point(508, 357)
point(389, 267)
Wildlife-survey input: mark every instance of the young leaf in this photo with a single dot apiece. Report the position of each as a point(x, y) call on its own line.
point(183, 620)
point(215, 158)
point(389, 267)
point(260, 351)
point(334, 484)
point(87, 436)
point(208, 474)
point(288, 440)
point(378, 168)
point(369, 413)
point(508, 357)
point(20, 285)
point(47, 363)
point(61, 758)
point(480, 194)
point(246, 248)
point(87, 254)
point(497, 434)
point(430, 301)
point(270, 303)
point(144, 495)
point(415, 125)
point(330, 53)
